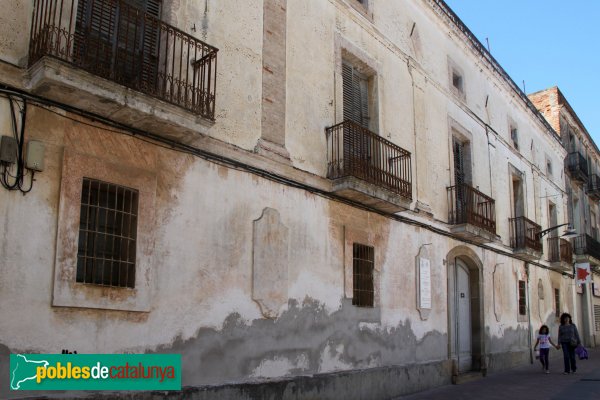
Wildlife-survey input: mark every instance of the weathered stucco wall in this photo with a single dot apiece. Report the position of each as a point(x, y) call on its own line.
point(202, 301)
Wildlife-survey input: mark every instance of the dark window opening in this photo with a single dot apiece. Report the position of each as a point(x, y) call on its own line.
point(107, 234)
point(522, 298)
point(557, 303)
point(514, 136)
point(457, 81)
point(362, 282)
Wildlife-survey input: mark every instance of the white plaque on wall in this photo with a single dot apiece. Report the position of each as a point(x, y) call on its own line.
point(423, 261)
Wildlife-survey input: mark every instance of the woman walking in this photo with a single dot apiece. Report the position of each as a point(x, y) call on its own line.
point(568, 338)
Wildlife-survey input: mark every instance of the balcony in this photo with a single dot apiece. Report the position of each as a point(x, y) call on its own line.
point(586, 249)
point(577, 167)
point(110, 58)
point(471, 213)
point(560, 254)
point(367, 168)
point(524, 238)
point(593, 187)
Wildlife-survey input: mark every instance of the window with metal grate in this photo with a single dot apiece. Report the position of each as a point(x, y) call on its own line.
point(557, 303)
point(362, 282)
point(522, 298)
point(107, 234)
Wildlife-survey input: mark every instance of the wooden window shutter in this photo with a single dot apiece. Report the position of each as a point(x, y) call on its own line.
point(355, 96)
point(459, 164)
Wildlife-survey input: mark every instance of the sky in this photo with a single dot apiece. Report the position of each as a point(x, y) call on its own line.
point(545, 43)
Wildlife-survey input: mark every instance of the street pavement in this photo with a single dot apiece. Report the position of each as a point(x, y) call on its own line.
point(527, 382)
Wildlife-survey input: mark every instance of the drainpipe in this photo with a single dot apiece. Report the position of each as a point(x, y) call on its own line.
point(528, 313)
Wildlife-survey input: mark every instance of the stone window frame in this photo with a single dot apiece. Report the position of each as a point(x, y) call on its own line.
point(66, 291)
point(347, 52)
point(352, 236)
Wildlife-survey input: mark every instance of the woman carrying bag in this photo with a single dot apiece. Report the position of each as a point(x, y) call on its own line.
point(568, 338)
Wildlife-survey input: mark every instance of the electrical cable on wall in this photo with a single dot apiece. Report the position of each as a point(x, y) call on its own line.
point(16, 180)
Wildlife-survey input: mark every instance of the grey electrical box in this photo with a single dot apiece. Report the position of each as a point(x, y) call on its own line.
point(8, 149)
point(35, 155)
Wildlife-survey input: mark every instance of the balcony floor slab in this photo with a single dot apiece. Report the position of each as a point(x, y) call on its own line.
point(374, 196)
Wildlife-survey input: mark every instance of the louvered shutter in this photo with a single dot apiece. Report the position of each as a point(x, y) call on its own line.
point(459, 171)
point(355, 96)
point(350, 101)
point(119, 40)
point(94, 35)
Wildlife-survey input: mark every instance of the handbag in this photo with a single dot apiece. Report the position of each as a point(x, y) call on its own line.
point(581, 352)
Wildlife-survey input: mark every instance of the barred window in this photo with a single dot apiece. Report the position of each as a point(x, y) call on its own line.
point(557, 303)
point(107, 234)
point(522, 298)
point(362, 282)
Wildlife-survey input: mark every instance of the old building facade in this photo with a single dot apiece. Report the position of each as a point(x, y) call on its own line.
point(581, 167)
point(346, 205)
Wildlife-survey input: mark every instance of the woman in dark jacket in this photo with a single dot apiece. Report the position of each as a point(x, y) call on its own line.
point(568, 337)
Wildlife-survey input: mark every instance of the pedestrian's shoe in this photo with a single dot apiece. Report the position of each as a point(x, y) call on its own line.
point(565, 373)
point(547, 371)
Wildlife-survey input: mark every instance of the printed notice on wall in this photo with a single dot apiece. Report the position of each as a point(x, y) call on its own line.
point(424, 283)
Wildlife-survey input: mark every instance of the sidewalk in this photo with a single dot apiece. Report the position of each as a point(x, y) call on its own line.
point(528, 383)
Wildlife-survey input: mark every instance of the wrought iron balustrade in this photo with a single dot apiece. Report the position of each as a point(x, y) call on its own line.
point(133, 47)
point(468, 205)
point(356, 151)
point(559, 250)
point(586, 245)
point(524, 234)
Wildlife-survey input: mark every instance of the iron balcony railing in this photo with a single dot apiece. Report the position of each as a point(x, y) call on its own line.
point(585, 245)
point(524, 234)
point(559, 250)
point(468, 205)
point(593, 187)
point(576, 166)
point(356, 151)
point(116, 41)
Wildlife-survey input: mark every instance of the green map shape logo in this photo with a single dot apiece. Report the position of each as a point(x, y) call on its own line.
point(24, 370)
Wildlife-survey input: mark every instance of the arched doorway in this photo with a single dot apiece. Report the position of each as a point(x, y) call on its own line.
point(465, 310)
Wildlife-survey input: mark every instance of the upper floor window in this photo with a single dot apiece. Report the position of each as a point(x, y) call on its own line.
point(107, 234)
point(362, 275)
point(357, 95)
point(456, 78)
point(548, 166)
point(514, 137)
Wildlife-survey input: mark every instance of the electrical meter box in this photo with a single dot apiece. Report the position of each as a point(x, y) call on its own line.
point(35, 155)
point(8, 149)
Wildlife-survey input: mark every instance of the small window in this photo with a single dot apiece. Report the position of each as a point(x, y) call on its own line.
point(457, 81)
point(557, 303)
point(514, 136)
point(540, 290)
point(107, 234)
point(548, 167)
point(362, 282)
point(522, 298)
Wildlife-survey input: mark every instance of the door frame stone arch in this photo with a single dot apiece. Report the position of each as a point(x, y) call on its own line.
point(473, 262)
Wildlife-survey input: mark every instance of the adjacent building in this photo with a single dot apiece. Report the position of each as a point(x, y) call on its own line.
point(332, 198)
point(583, 190)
